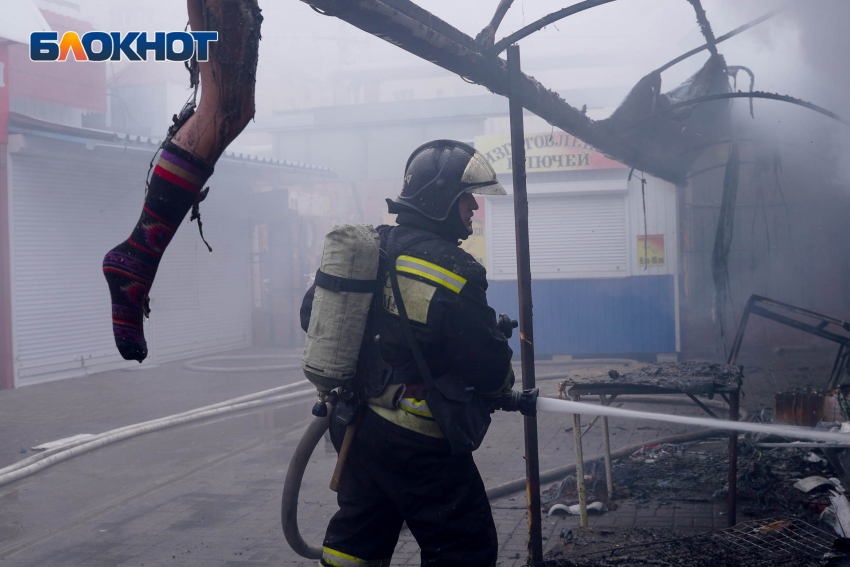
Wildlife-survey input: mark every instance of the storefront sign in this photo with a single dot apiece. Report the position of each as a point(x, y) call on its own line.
point(549, 151)
point(650, 250)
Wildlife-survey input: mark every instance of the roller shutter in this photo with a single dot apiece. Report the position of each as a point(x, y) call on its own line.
point(201, 302)
point(569, 237)
point(65, 214)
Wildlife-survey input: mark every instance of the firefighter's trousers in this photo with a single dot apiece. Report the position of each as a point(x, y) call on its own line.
point(395, 475)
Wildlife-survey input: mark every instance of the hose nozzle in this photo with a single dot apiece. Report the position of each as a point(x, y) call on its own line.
point(507, 325)
point(321, 407)
point(524, 402)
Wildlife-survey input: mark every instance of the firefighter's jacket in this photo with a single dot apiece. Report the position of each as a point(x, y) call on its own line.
point(444, 291)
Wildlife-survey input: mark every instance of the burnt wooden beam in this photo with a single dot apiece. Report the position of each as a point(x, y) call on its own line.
point(417, 31)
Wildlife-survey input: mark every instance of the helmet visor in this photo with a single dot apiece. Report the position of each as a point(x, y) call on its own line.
point(482, 177)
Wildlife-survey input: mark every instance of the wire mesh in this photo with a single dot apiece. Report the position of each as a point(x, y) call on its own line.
point(758, 543)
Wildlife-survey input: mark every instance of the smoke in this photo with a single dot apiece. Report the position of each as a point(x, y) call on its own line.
point(788, 243)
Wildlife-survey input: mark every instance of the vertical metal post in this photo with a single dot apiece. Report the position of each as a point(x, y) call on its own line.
point(739, 335)
point(580, 487)
point(732, 497)
point(606, 443)
point(526, 331)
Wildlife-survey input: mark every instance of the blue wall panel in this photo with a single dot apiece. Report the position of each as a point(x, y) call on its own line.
point(600, 316)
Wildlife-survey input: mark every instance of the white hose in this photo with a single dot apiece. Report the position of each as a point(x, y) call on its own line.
point(565, 406)
point(43, 460)
point(66, 446)
point(193, 364)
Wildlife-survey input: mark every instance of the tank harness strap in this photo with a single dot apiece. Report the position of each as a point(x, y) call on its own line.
point(338, 284)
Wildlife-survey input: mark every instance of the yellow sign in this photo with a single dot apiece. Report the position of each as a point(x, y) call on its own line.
point(549, 151)
point(650, 250)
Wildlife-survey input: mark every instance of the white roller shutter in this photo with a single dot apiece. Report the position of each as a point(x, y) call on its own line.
point(65, 215)
point(569, 237)
point(201, 302)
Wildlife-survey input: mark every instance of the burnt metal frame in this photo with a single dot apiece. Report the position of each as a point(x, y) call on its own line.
point(762, 306)
point(731, 395)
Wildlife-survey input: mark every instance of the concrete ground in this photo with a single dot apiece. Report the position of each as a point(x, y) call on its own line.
point(208, 493)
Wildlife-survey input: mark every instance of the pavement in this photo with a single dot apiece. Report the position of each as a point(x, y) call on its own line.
point(208, 493)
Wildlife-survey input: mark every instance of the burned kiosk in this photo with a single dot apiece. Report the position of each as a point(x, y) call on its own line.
point(651, 132)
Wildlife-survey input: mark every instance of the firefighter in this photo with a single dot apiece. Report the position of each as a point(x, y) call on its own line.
point(405, 464)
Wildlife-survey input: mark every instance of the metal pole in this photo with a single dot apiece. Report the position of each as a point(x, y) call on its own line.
point(739, 336)
point(580, 487)
point(732, 496)
point(606, 443)
point(526, 332)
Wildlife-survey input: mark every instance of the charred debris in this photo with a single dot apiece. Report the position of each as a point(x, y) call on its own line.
point(791, 495)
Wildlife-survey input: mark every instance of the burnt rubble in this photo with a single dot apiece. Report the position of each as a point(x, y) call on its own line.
point(758, 543)
point(781, 522)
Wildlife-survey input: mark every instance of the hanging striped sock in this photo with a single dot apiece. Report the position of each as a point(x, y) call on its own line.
point(131, 266)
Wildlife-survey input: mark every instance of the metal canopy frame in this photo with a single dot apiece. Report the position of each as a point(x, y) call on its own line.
point(822, 326)
point(410, 27)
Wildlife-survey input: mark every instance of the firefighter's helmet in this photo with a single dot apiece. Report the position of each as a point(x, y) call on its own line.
point(438, 173)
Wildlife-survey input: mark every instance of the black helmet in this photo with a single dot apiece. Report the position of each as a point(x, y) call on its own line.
point(438, 173)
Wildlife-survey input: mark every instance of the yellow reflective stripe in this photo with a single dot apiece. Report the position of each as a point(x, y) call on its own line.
point(409, 421)
point(340, 559)
point(431, 272)
point(416, 407)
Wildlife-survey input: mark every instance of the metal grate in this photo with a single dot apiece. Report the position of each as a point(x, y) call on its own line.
point(775, 540)
point(758, 543)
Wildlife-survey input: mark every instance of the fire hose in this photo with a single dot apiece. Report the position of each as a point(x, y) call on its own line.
point(36, 463)
point(528, 403)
